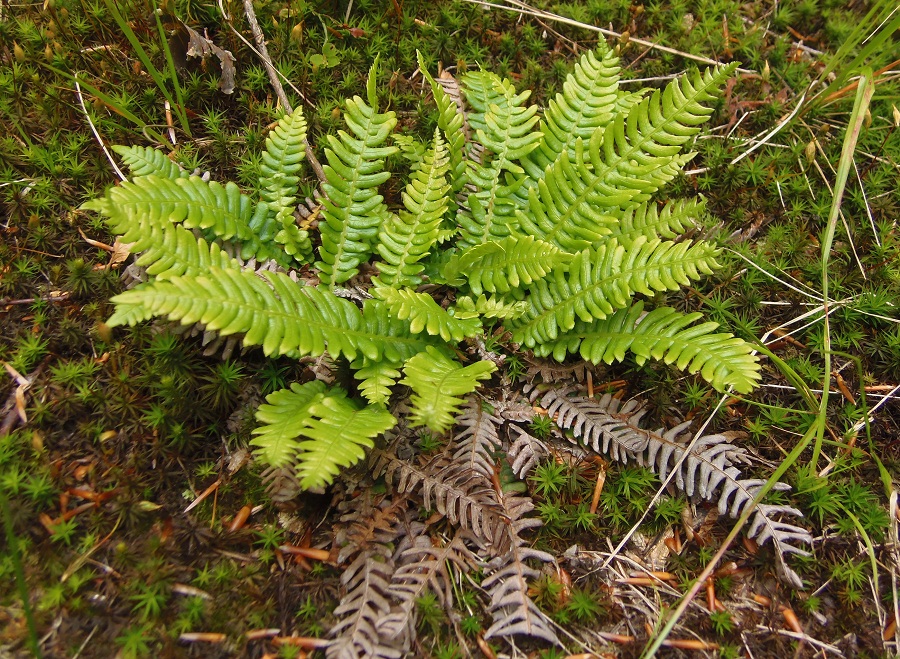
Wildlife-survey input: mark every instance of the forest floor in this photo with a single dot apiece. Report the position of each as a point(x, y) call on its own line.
point(136, 521)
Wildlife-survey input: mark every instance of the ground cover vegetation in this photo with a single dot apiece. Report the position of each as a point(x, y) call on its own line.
point(401, 465)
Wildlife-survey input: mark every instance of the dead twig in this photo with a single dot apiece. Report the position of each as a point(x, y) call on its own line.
point(263, 53)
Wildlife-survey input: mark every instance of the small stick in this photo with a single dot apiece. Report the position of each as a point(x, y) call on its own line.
point(212, 488)
point(276, 83)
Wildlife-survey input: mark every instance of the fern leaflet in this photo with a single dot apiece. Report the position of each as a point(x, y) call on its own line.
point(425, 314)
point(437, 383)
point(408, 237)
point(142, 160)
point(353, 209)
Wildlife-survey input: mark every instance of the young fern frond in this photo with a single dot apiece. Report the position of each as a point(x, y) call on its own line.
point(376, 379)
point(588, 102)
point(664, 334)
point(281, 164)
point(505, 265)
point(353, 209)
point(596, 283)
point(143, 160)
point(437, 383)
point(335, 431)
point(450, 121)
point(507, 133)
point(271, 310)
point(407, 238)
point(282, 419)
point(424, 314)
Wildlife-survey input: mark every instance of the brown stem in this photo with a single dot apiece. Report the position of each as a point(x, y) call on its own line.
point(260, 39)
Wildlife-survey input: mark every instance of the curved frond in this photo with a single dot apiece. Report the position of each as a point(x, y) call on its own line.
point(425, 314)
point(501, 266)
point(437, 383)
point(621, 165)
point(597, 283)
point(588, 101)
point(665, 334)
point(353, 209)
point(405, 239)
point(271, 310)
point(281, 164)
point(143, 160)
point(376, 379)
point(282, 418)
point(450, 121)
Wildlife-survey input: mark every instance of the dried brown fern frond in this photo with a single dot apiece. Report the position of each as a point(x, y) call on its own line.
point(525, 452)
point(705, 468)
point(508, 575)
point(424, 565)
point(465, 501)
point(367, 603)
point(472, 449)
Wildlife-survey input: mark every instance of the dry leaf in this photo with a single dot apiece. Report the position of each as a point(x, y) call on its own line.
point(201, 46)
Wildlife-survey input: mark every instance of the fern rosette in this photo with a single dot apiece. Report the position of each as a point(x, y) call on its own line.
point(542, 226)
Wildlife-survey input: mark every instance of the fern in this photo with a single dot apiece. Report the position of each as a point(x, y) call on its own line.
point(599, 282)
point(281, 163)
point(588, 102)
point(353, 209)
point(271, 311)
point(663, 334)
point(221, 210)
point(424, 313)
point(407, 238)
point(334, 428)
point(437, 383)
point(503, 127)
point(648, 221)
point(143, 161)
point(500, 267)
point(708, 471)
point(450, 122)
point(376, 379)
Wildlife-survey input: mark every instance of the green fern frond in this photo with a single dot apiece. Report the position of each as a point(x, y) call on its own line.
point(376, 379)
point(665, 334)
point(271, 310)
point(489, 307)
point(450, 121)
point(588, 101)
point(437, 383)
point(353, 209)
point(648, 221)
point(482, 89)
point(424, 314)
point(508, 136)
point(281, 164)
point(335, 429)
point(622, 165)
point(407, 238)
point(171, 251)
point(597, 283)
point(558, 211)
point(142, 161)
point(337, 432)
point(282, 418)
point(221, 210)
point(505, 265)
point(638, 150)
